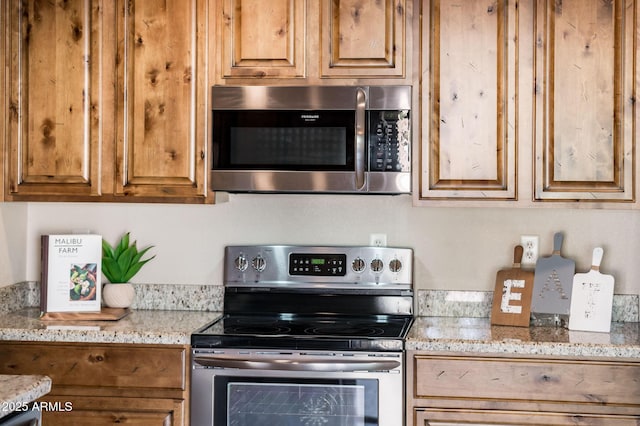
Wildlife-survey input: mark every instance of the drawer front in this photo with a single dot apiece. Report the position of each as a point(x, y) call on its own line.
point(527, 379)
point(429, 417)
point(97, 411)
point(98, 365)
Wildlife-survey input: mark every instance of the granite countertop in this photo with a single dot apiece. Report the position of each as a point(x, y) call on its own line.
point(477, 336)
point(17, 391)
point(139, 327)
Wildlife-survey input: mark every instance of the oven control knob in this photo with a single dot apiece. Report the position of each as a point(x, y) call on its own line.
point(259, 263)
point(377, 265)
point(395, 265)
point(358, 264)
point(241, 263)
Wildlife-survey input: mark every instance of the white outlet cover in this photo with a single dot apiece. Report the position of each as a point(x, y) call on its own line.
point(530, 245)
point(378, 240)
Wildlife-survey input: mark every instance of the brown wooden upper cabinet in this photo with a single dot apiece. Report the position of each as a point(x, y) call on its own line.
point(469, 142)
point(311, 39)
point(585, 100)
point(528, 100)
point(106, 101)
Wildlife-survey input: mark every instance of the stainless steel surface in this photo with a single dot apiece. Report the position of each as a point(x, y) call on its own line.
point(295, 317)
point(356, 179)
point(308, 182)
point(390, 381)
point(360, 145)
point(309, 97)
point(377, 268)
point(287, 363)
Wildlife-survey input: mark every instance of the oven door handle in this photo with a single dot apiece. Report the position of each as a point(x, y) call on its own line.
point(360, 157)
point(297, 365)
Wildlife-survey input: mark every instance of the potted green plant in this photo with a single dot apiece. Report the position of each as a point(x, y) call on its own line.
point(120, 264)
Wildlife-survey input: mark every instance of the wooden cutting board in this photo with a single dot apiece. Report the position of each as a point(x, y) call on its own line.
point(553, 281)
point(592, 298)
point(512, 294)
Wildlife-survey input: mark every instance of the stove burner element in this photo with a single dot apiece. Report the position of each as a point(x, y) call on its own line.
point(355, 330)
point(265, 330)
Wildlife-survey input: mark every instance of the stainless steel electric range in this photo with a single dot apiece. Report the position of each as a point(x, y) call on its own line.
point(309, 336)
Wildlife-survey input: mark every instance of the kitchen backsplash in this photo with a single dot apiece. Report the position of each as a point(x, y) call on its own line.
point(430, 303)
point(477, 304)
point(148, 297)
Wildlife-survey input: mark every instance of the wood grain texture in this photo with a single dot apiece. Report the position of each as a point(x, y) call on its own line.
point(71, 136)
point(470, 119)
point(452, 389)
point(512, 294)
point(160, 99)
point(585, 56)
point(107, 383)
point(363, 38)
point(260, 39)
point(55, 108)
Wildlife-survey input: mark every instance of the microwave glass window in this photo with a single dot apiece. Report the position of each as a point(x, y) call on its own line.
point(288, 146)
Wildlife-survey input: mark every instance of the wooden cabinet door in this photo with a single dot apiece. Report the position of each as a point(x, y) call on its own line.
point(98, 411)
point(469, 116)
point(161, 93)
point(585, 100)
point(260, 39)
point(98, 384)
point(4, 56)
point(363, 38)
point(461, 417)
point(54, 108)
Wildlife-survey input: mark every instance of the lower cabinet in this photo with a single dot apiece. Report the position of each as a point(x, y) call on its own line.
point(102, 384)
point(449, 390)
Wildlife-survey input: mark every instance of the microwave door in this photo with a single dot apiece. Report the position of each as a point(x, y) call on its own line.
point(288, 151)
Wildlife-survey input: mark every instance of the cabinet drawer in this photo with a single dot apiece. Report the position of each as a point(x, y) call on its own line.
point(601, 383)
point(139, 366)
point(441, 417)
point(96, 411)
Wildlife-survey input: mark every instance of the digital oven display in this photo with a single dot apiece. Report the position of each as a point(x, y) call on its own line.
point(314, 264)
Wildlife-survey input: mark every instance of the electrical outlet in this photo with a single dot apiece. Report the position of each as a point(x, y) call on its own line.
point(378, 240)
point(529, 245)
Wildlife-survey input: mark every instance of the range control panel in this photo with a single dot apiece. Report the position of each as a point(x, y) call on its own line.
point(339, 265)
point(317, 264)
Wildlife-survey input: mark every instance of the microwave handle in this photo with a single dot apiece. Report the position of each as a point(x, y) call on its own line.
point(361, 101)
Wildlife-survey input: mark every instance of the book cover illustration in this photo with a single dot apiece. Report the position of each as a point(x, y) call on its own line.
point(71, 273)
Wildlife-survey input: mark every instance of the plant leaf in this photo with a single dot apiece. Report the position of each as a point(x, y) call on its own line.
point(121, 263)
point(141, 253)
point(111, 270)
point(124, 261)
point(107, 250)
point(134, 270)
point(122, 246)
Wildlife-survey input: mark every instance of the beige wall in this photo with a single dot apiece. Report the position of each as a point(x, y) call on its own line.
point(455, 248)
point(13, 244)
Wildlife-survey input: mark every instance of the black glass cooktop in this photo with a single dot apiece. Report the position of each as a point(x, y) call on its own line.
point(311, 332)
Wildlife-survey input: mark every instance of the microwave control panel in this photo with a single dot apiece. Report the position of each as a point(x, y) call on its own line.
point(389, 141)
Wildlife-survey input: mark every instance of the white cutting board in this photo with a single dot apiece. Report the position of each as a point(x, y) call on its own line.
point(592, 298)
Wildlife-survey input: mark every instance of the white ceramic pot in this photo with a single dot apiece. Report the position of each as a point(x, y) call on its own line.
point(118, 295)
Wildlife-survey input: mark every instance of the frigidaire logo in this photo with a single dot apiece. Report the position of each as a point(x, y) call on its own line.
point(310, 117)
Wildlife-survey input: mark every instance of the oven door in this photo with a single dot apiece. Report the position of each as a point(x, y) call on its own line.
point(252, 388)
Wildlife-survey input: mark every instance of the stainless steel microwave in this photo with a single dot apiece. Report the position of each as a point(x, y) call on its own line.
point(311, 139)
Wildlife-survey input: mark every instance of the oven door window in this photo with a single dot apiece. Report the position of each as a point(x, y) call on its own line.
point(243, 401)
point(284, 140)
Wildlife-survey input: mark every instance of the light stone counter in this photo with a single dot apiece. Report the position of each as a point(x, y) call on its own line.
point(139, 327)
point(478, 336)
point(18, 391)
